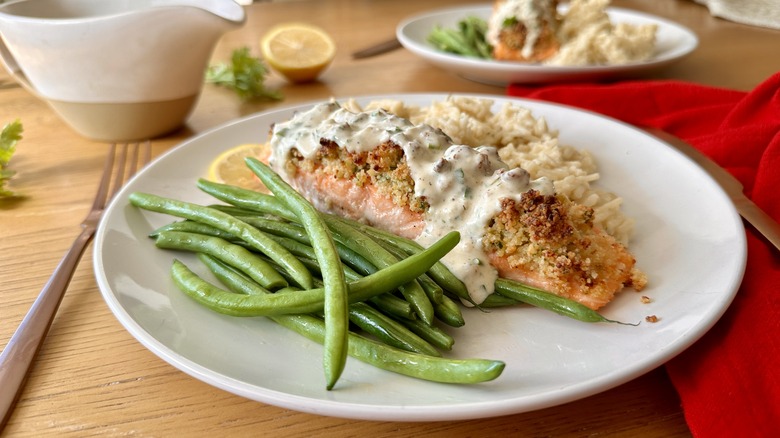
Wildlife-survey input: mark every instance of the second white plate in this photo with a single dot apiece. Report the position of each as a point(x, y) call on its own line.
point(673, 42)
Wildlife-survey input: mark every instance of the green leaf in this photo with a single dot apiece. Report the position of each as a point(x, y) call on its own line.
point(9, 136)
point(245, 75)
point(509, 22)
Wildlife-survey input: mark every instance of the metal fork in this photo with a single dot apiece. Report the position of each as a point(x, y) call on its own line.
point(15, 362)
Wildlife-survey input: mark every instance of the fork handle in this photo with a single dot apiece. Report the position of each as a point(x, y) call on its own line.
point(18, 355)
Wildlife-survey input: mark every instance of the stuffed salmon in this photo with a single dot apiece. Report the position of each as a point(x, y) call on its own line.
point(524, 30)
point(412, 180)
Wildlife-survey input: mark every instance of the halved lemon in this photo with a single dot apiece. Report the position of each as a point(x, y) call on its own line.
point(230, 168)
point(298, 51)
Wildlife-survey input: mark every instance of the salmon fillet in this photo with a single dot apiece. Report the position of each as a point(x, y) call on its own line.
point(541, 240)
point(550, 243)
point(356, 196)
point(524, 30)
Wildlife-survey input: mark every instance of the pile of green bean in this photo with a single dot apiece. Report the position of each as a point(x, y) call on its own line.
point(319, 275)
point(466, 39)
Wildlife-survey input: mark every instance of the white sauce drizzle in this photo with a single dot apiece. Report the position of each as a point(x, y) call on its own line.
point(463, 185)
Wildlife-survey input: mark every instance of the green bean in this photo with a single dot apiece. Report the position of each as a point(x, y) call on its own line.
point(449, 40)
point(336, 299)
point(436, 369)
point(475, 28)
point(298, 233)
point(394, 306)
point(238, 211)
point(244, 202)
point(468, 39)
point(448, 312)
point(296, 248)
point(386, 302)
point(194, 227)
point(247, 199)
point(377, 325)
point(237, 281)
point(227, 223)
point(234, 255)
point(302, 251)
point(549, 301)
point(497, 300)
point(438, 272)
point(434, 335)
point(310, 264)
point(388, 330)
point(419, 366)
point(380, 257)
point(262, 203)
point(364, 316)
point(310, 300)
point(314, 266)
point(432, 289)
point(277, 227)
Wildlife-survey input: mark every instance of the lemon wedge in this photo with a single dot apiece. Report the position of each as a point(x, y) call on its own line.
point(297, 51)
point(230, 168)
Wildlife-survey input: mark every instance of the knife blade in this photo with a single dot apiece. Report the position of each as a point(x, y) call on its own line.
point(749, 211)
point(378, 49)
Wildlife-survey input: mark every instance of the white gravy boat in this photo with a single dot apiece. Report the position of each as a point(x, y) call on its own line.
point(115, 70)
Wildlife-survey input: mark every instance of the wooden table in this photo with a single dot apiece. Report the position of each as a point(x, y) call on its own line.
point(93, 378)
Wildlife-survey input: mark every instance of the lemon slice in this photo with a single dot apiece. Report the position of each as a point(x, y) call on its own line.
point(230, 168)
point(297, 51)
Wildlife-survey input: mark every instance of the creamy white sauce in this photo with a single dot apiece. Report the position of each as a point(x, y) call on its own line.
point(463, 186)
point(530, 13)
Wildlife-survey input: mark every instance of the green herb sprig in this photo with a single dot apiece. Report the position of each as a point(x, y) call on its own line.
point(9, 136)
point(245, 75)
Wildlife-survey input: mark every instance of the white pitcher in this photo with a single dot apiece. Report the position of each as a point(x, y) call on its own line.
point(115, 70)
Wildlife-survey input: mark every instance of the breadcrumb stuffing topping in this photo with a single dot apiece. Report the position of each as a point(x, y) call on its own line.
point(383, 167)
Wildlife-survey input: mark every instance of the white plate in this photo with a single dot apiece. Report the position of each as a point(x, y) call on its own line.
point(673, 42)
point(689, 240)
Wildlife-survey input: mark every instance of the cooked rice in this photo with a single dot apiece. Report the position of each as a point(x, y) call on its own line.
point(590, 38)
point(525, 141)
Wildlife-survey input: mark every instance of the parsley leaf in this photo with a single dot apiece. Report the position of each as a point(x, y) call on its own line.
point(245, 75)
point(9, 136)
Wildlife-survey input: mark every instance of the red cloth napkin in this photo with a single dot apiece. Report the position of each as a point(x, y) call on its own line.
point(729, 381)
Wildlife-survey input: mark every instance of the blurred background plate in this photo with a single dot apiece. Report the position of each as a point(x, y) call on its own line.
point(673, 42)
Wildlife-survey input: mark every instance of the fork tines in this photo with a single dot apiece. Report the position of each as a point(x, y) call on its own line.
point(125, 159)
